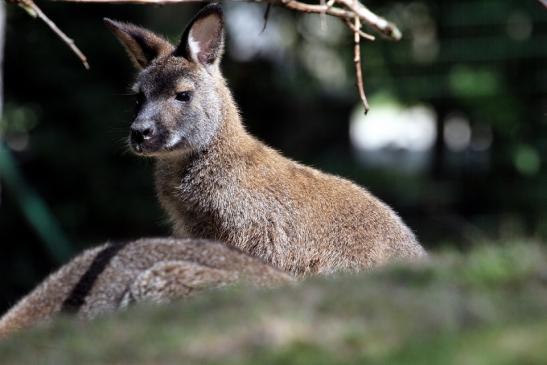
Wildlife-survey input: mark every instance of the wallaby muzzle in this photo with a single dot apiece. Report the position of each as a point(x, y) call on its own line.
point(145, 136)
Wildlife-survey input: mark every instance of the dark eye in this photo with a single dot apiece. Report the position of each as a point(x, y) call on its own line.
point(183, 96)
point(140, 99)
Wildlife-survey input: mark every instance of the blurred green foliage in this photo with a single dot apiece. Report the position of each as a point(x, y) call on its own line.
point(483, 59)
point(34, 209)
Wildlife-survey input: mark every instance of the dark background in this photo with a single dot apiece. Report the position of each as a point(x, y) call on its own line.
point(478, 67)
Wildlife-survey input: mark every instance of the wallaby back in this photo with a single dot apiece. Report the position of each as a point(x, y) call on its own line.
point(112, 276)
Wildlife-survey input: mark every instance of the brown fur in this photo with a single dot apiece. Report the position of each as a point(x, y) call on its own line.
point(219, 182)
point(112, 276)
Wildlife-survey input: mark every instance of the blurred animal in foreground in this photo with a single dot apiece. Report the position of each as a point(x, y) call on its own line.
point(218, 182)
point(110, 277)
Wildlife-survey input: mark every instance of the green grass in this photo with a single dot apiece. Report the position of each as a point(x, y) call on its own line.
point(486, 307)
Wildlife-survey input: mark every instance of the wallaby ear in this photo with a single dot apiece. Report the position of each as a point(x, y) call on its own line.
point(142, 45)
point(203, 40)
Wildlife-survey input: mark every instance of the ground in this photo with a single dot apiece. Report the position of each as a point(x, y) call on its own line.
point(487, 306)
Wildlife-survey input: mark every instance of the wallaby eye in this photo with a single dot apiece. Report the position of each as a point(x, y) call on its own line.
point(183, 96)
point(140, 99)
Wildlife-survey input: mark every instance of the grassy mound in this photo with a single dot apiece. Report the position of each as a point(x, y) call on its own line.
point(486, 307)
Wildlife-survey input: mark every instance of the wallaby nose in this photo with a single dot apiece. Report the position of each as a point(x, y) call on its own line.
point(141, 132)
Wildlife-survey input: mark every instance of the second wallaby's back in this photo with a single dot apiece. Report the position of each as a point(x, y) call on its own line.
point(216, 181)
point(111, 276)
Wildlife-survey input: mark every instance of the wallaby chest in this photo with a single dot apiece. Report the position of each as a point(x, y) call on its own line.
point(204, 200)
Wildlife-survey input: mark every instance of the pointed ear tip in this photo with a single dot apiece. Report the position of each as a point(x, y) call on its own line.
point(111, 24)
point(212, 8)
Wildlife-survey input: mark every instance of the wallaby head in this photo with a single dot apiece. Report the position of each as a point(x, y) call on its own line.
point(179, 89)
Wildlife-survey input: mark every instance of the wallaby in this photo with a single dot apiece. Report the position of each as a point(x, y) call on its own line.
point(109, 277)
point(218, 182)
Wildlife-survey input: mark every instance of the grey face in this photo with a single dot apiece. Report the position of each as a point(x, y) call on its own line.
point(178, 108)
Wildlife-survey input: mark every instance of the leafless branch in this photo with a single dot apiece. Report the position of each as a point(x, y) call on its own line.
point(379, 24)
point(266, 16)
point(348, 9)
point(352, 12)
point(351, 26)
point(357, 61)
point(36, 12)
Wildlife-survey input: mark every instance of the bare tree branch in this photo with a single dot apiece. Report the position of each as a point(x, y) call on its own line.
point(358, 67)
point(379, 24)
point(347, 9)
point(352, 12)
point(351, 26)
point(266, 16)
point(36, 12)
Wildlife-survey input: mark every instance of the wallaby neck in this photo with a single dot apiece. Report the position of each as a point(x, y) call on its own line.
point(231, 136)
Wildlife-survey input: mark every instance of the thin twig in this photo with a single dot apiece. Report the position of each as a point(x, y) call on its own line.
point(349, 9)
point(266, 16)
point(312, 8)
point(357, 61)
point(327, 5)
point(382, 26)
point(34, 10)
point(352, 12)
point(350, 25)
point(291, 4)
point(323, 17)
